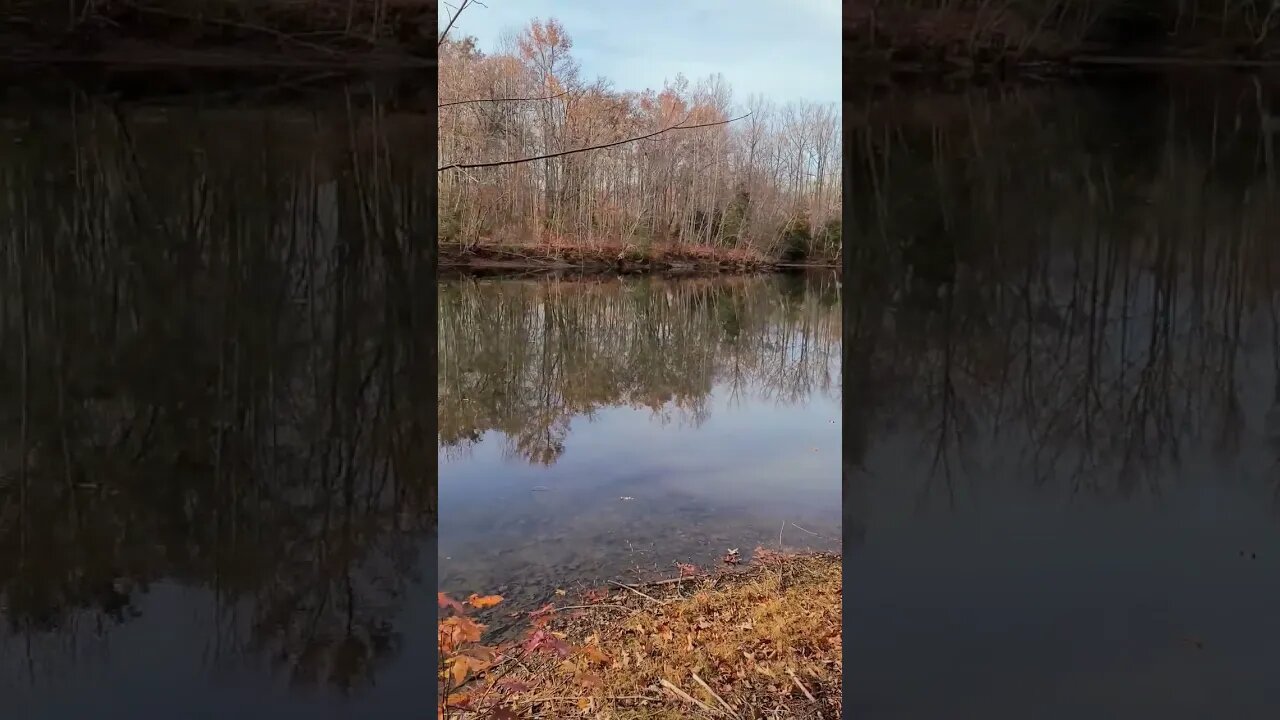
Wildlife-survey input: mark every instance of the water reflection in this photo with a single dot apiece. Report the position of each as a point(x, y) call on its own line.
point(1064, 355)
point(711, 403)
point(210, 365)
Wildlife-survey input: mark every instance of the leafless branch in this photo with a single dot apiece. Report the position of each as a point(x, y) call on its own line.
point(678, 126)
point(482, 100)
point(454, 18)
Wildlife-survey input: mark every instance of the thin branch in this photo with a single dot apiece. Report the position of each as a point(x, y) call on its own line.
point(453, 19)
point(678, 126)
point(482, 100)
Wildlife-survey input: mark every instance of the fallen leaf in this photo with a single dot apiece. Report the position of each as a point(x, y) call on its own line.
point(458, 669)
point(458, 629)
point(483, 601)
point(458, 700)
point(686, 570)
point(595, 654)
point(448, 602)
point(542, 640)
point(561, 592)
point(511, 685)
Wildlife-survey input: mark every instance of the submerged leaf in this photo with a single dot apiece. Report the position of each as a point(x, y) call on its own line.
point(483, 601)
point(448, 602)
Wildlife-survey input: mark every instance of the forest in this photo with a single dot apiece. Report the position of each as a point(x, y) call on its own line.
point(698, 177)
point(961, 36)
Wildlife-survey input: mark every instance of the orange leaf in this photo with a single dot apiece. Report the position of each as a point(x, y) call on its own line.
point(458, 629)
point(446, 601)
point(483, 601)
point(457, 700)
point(458, 669)
point(595, 654)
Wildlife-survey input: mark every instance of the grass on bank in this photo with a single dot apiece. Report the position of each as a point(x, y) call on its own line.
point(760, 643)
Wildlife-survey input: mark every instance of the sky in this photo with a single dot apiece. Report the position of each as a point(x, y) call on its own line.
point(784, 50)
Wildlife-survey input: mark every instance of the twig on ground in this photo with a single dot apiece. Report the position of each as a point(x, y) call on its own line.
point(715, 695)
point(684, 695)
point(638, 592)
point(564, 698)
point(597, 605)
point(800, 685)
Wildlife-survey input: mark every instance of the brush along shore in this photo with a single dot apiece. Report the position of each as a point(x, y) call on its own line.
point(759, 642)
point(618, 258)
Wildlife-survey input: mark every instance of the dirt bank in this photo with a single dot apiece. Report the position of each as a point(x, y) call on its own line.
point(975, 38)
point(614, 259)
point(761, 643)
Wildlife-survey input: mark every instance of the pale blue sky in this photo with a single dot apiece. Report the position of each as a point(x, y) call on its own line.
point(782, 49)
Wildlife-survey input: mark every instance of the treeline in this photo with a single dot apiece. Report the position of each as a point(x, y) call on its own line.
point(318, 29)
point(768, 182)
point(1046, 29)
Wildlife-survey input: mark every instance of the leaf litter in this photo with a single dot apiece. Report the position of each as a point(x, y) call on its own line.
point(759, 641)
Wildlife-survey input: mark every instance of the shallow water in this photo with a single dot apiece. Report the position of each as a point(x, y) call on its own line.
point(1061, 447)
point(599, 430)
point(214, 498)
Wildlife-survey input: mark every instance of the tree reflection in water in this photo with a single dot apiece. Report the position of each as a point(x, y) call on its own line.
point(211, 375)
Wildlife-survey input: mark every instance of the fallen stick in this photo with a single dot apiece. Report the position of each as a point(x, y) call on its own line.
point(685, 696)
point(719, 699)
point(638, 592)
point(800, 685)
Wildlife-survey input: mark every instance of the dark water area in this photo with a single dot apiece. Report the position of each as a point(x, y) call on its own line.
point(1063, 422)
point(596, 430)
point(215, 500)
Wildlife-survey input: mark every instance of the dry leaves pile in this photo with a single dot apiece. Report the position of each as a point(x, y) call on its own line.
point(763, 642)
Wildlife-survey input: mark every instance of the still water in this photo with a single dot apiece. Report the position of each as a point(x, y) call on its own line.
point(595, 430)
point(215, 500)
point(1063, 420)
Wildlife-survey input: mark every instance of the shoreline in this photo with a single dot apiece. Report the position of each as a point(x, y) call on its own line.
point(150, 56)
point(972, 39)
point(766, 634)
point(273, 34)
point(1070, 67)
point(614, 260)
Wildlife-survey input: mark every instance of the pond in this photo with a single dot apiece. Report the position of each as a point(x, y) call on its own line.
point(215, 500)
point(606, 429)
point(1062, 432)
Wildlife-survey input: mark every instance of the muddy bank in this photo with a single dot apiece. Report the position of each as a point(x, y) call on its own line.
point(219, 33)
point(973, 39)
point(613, 260)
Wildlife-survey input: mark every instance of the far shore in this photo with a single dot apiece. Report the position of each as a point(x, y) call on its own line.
point(617, 260)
